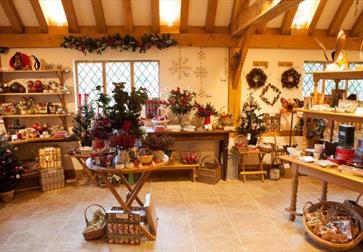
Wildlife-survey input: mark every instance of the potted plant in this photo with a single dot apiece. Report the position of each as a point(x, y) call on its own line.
point(101, 131)
point(205, 112)
point(181, 102)
point(159, 144)
point(9, 168)
point(316, 131)
point(251, 124)
point(82, 124)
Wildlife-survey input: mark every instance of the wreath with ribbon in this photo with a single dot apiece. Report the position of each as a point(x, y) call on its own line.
point(290, 78)
point(256, 78)
point(275, 90)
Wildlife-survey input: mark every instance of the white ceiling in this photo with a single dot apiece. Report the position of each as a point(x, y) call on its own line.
point(141, 12)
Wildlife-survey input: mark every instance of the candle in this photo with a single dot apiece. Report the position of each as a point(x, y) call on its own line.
point(79, 101)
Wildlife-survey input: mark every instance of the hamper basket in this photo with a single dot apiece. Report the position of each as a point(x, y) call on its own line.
point(51, 179)
point(226, 120)
point(310, 207)
point(96, 233)
point(209, 173)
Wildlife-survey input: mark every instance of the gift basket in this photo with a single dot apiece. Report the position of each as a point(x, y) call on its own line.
point(225, 118)
point(241, 143)
point(333, 225)
point(95, 228)
point(160, 121)
point(209, 173)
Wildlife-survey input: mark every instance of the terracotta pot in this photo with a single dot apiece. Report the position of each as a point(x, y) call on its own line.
point(7, 196)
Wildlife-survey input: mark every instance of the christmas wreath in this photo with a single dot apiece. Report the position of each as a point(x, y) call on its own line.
point(256, 78)
point(290, 78)
point(126, 43)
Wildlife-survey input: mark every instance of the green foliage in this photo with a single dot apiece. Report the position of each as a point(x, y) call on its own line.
point(10, 166)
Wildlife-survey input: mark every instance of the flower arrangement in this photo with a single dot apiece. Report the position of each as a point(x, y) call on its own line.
point(252, 123)
point(122, 141)
point(159, 142)
point(101, 128)
point(10, 166)
point(181, 101)
point(205, 111)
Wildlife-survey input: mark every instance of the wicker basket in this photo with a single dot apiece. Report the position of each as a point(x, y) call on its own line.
point(225, 121)
point(209, 173)
point(355, 205)
point(241, 143)
point(310, 207)
point(123, 227)
point(97, 233)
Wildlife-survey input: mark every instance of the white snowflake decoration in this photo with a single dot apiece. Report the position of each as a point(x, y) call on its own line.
point(180, 67)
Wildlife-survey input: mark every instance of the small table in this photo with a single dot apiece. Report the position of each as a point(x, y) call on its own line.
point(242, 158)
point(331, 175)
point(133, 191)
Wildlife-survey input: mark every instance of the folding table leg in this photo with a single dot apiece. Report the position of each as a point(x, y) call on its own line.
point(86, 170)
point(115, 194)
point(137, 188)
point(128, 186)
point(147, 234)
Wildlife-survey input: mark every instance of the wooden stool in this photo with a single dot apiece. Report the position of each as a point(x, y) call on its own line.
point(260, 171)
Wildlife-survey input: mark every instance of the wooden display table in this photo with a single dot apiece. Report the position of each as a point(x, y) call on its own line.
point(132, 195)
point(222, 136)
point(326, 175)
point(242, 160)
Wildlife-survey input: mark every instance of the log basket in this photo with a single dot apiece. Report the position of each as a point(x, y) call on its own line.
point(209, 173)
point(310, 207)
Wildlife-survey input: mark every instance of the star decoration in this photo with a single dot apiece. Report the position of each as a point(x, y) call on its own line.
point(180, 67)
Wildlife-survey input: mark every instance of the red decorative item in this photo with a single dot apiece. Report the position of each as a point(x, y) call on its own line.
point(345, 153)
point(20, 61)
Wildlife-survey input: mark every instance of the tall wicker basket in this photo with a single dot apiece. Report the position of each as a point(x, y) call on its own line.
point(209, 173)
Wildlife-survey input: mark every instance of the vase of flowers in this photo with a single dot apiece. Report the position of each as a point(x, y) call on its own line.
point(10, 167)
point(205, 112)
point(251, 123)
point(181, 102)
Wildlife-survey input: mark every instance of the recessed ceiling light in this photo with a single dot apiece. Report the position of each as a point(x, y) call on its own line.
point(53, 12)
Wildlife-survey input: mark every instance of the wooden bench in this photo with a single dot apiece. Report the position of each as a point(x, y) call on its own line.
point(179, 166)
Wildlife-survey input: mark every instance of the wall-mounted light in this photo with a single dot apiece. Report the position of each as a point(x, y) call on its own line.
point(53, 12)
point(169, 12)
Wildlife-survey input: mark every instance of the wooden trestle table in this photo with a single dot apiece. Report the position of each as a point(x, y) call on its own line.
point(81, 158)
point(132, 195)
point(326, 175)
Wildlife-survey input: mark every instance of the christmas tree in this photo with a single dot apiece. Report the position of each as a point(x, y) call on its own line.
point(82, 124)
point(252, 123)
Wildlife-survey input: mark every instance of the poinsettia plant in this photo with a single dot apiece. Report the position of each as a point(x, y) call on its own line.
point(123, 141)
point(180, 101)
point(101, 128)
point(205, 111)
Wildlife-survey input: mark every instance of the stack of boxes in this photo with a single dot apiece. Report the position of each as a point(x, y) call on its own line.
point(51, 171)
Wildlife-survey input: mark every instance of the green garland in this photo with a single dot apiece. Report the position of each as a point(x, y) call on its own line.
point(126, 43)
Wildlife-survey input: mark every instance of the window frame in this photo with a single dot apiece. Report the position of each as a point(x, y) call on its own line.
point(345, 82)
point(104, 81)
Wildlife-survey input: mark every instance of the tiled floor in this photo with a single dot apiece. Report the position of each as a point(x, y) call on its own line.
point(230, 216)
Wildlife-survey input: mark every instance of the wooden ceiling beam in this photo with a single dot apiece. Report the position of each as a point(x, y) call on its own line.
point(211, 16)
point(357, 29)
point(12, 15)
point(238, 7)
point(68, 7)
point(43, 25)
point(339, 16)
point(53, 40)
point(184, 14)
point(261, 29)
point(287, 21)
point(99, 15)
point(127, 13)
point(316, 16)
point(261, 12)
point(155, 16)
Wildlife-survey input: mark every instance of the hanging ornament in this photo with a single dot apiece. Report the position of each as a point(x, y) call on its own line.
point(290, 78)
point(201, 73)
point(180, 67)
point(256, 78)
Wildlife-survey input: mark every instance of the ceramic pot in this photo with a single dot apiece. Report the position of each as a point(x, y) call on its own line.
point(7, 196)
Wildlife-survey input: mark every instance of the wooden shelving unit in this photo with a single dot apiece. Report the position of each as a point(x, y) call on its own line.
point(42, 140)
point(332, 116)
point(34, 94)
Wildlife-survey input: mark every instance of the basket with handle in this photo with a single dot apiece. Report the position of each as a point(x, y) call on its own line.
point(95, 233)
point(225, 121)
point(354, 204)
point(161, 112)
point(209, 173)
point(356, 218)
